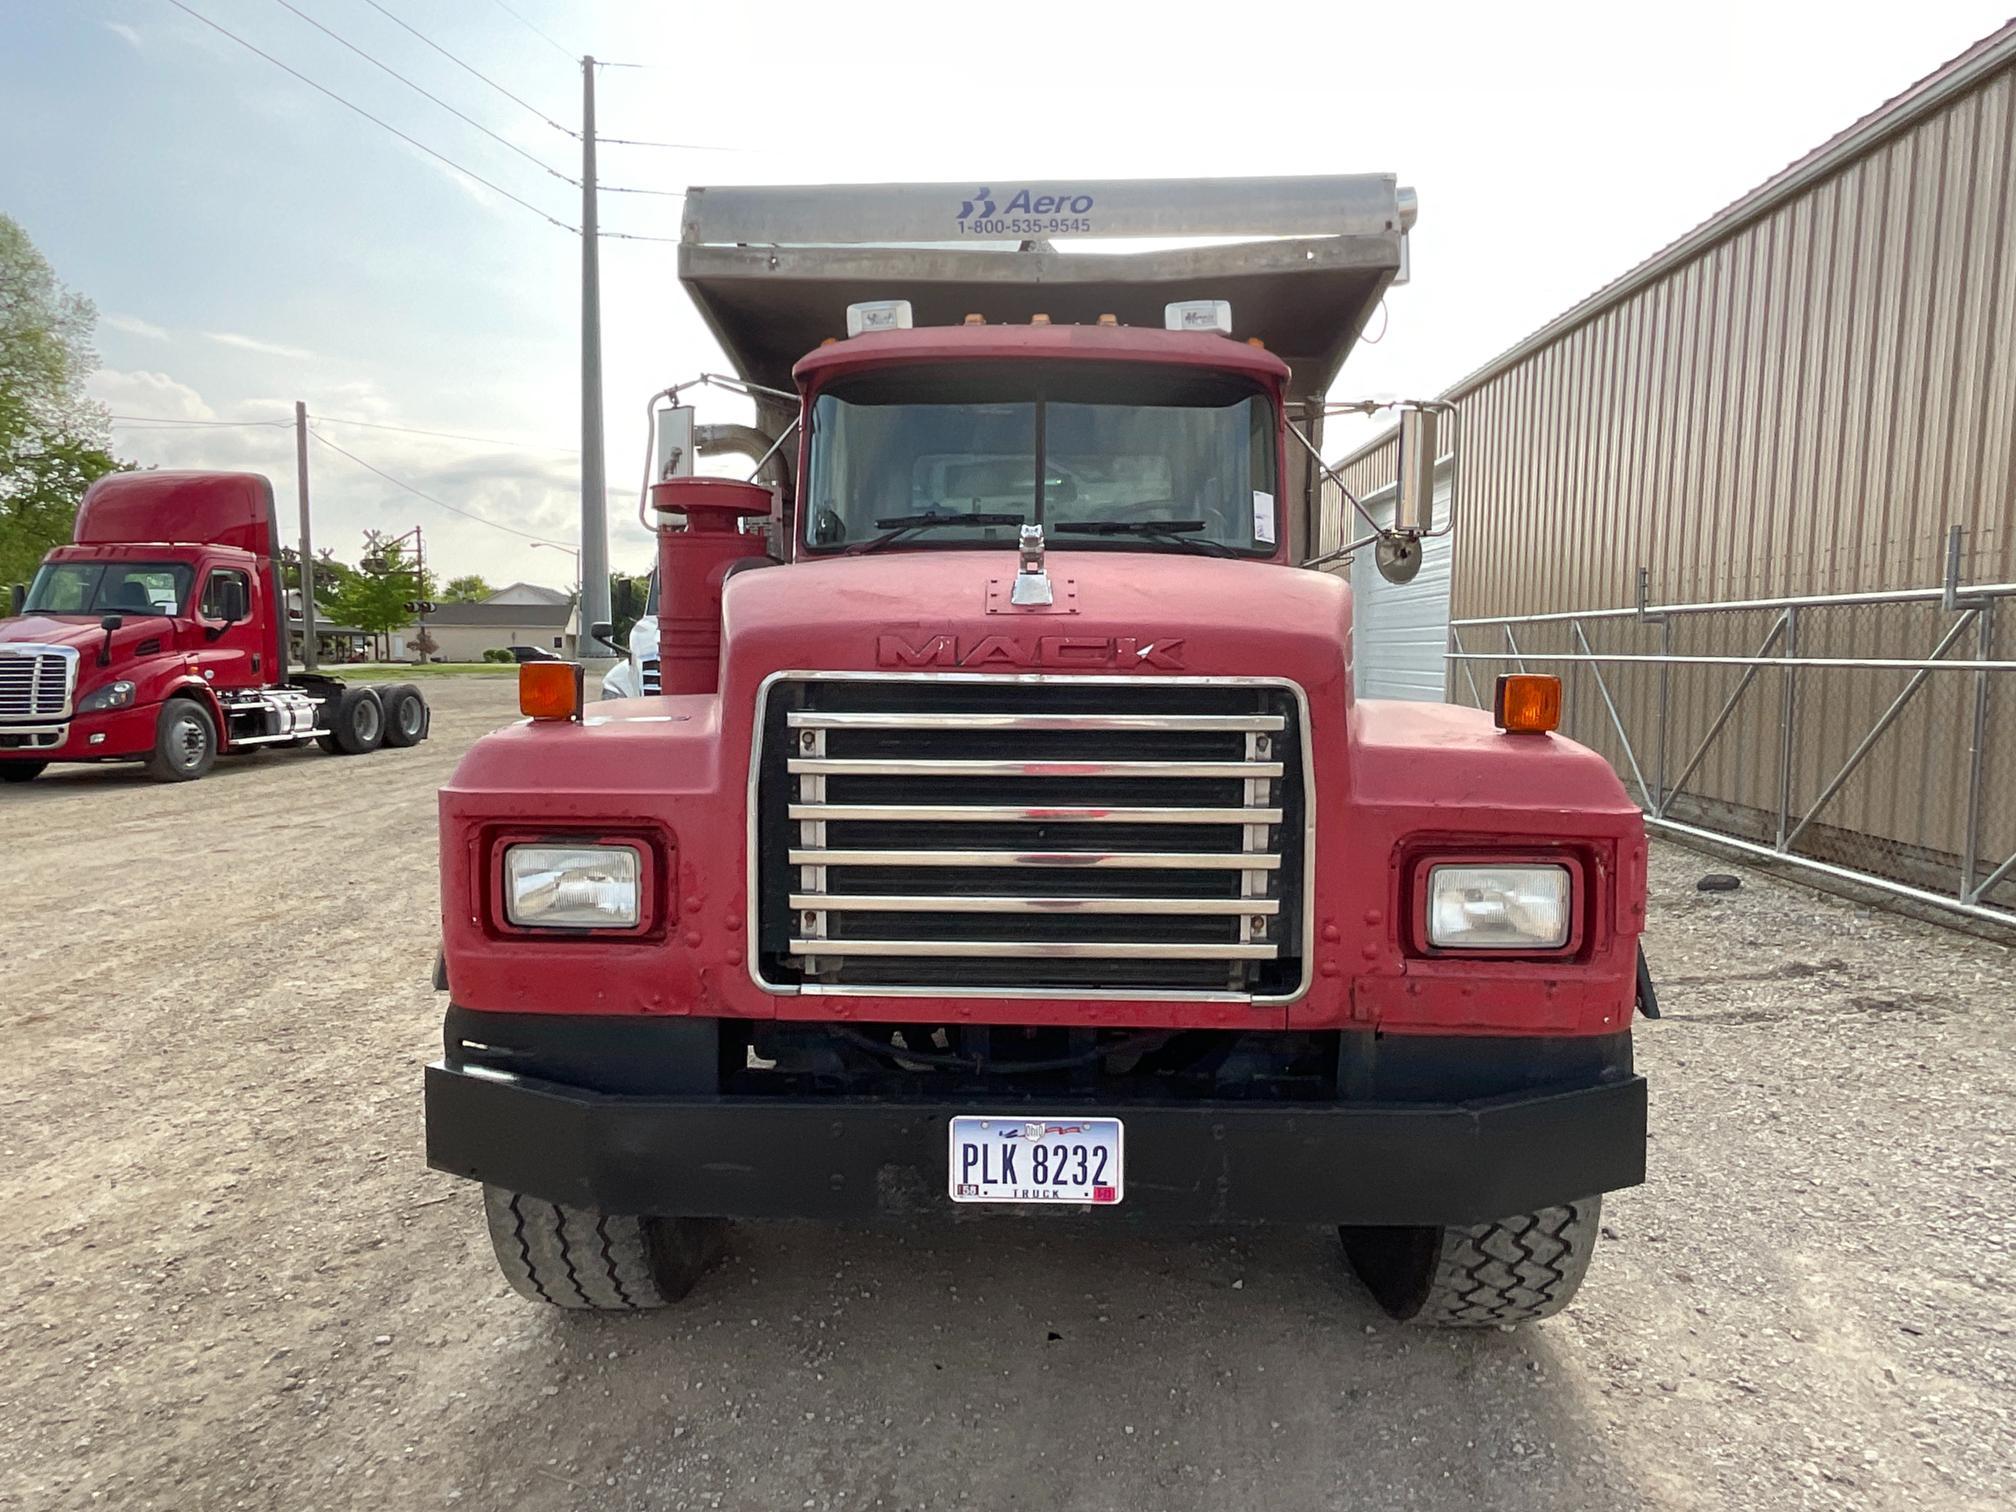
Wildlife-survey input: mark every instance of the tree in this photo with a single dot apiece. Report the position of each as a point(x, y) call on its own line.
point(375, 597)
point(53, 441)
point(465, 590)
point(627, 598)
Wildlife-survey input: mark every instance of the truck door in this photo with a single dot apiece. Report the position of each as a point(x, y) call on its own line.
point(232, 653)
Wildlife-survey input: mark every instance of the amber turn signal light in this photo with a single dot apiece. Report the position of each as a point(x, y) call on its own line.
point(1527, 703)
point(549, 689)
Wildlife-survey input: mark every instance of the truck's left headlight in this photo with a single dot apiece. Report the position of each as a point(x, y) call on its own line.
point(571, 886)
point(112, 696)
point(1498, 907)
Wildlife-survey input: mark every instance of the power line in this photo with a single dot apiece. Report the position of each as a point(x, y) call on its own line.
point(609, 141)
point(376, 121)
point(533, 27)
point(634, 236)
point(421, 493)
point(445, 435)
point(529, 157)
point(168, 422)
point(626, 189)
point(472, 69)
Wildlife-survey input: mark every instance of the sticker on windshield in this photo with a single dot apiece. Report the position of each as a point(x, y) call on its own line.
point(1263, 517)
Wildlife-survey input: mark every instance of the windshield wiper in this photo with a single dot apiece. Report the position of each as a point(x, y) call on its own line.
point(897, 526)
point(1175, 532)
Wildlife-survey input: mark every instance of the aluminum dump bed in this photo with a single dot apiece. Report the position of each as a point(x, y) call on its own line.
point(773, 269)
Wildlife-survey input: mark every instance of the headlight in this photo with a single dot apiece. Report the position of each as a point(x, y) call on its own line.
point(1498, 907)
point(112, 696)
point(571, 886)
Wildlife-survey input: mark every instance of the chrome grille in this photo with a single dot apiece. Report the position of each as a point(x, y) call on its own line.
point(647, 675)
point(1067, 835)
point(36, 681)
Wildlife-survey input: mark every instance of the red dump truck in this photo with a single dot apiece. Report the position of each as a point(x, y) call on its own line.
point(1007, 836)
point(161, 635)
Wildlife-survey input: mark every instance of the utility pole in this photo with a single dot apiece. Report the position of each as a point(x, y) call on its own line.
point(594, 488)
point(309, 658)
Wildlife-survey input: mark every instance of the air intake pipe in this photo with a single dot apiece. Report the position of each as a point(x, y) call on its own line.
point(692, 563)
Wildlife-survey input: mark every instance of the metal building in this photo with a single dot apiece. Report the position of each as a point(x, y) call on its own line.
point(1755, 501)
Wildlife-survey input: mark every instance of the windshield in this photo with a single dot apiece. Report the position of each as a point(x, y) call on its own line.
point(1116, 444)
point(109, 588)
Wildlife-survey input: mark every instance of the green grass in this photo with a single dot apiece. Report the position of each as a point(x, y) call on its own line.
point(431, 669)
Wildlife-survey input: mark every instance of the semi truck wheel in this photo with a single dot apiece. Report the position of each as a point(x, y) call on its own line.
point(1485, 1275)
point(578, 1258)
point(185, 742)
point(405, 715)
point(356, 722)
point(21, 771)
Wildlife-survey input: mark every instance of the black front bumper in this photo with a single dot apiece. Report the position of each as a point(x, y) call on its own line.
point(1199, 1162)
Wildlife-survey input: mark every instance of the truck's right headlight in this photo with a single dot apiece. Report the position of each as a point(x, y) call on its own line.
point(1499, 907)
point(572, 886)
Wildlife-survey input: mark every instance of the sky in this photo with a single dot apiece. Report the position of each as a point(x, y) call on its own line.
point(249, 241)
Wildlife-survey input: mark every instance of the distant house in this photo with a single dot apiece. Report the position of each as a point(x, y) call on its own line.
point(463, 632)
point(528, 593)
point(333, 642)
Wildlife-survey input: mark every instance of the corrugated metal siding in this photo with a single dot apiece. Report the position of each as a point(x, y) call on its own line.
point(1800, 405)
point(1400, 630)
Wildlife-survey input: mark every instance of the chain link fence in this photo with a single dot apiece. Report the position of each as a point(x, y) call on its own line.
point(1871, 737)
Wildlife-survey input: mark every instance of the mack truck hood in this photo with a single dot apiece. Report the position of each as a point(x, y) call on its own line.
point(1115, 613)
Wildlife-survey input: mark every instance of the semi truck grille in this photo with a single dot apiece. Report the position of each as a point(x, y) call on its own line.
point(647, 676)
point(36, 684)
point(1059, 835)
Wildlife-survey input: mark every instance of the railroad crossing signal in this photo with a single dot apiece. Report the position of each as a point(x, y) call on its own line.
point(419, 606)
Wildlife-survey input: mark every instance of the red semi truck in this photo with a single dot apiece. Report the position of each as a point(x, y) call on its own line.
point(160, 635)
point(1007, 834)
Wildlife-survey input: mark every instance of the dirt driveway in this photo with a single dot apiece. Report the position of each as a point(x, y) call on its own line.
point(234, 1284)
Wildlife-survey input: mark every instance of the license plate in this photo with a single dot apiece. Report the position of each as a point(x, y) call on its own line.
point(1071, 1160)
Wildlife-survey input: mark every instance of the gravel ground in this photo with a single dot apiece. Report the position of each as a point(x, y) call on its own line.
point(239, 1287)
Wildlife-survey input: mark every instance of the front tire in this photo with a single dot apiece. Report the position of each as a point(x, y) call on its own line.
point(588, 1261)
point(185, 742)
point(21, 771)
point(1481, 1275)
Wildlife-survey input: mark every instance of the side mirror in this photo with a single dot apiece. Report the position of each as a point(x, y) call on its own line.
point(17, 598)
point(605, 632)
point(108, 624)
point(1414, 506)
point(232, 602)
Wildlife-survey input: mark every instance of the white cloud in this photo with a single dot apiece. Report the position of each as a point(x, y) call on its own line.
point(254, 344)
point(133, 325)
point(151, 394)
point(537, 494)
point(127, 34)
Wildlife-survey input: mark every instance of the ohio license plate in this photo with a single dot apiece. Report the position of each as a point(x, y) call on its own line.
point(1037, 1160)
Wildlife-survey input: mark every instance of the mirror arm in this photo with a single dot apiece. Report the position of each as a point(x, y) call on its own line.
point(1331, 473)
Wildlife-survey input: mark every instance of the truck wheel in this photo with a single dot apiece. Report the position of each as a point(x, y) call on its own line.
point(185, 742)
point(579, 1258)
point(21, 771)
point(1483, 1275)
point(405, 715)
point(356, 722)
